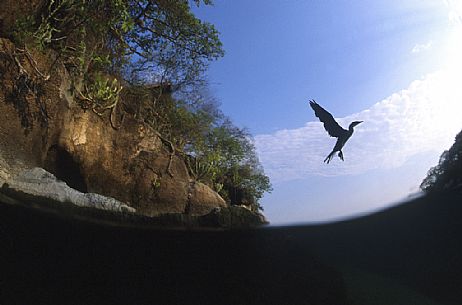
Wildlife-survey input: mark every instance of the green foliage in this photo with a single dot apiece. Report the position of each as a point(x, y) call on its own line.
point(137, 40)
point(153, 47)
point(156, 184)
point(233, 167)
point(170, 42)
point(100, 94)
point(447, 175)
point(199, 169)
point(24, 29)
point(217, 152)
point(48, 28)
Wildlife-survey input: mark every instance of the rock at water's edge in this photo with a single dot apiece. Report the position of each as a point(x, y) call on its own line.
point(39, 184)
point(131, 163)
point(233, 217)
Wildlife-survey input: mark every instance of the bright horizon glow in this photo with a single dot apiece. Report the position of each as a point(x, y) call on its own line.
point(395, 65)
point(423, 117)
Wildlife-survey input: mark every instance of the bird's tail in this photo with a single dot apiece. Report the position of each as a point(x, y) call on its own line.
point(329, 157)
point(340, 155)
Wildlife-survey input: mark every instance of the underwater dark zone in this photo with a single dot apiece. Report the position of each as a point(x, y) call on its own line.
point(407, 254)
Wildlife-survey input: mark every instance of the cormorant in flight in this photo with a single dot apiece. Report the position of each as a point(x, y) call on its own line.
point(334, 129)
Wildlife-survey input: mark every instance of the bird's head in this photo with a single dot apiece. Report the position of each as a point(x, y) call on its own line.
point(353, 124)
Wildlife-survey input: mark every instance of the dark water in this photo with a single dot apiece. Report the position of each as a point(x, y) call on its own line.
point(410, 254)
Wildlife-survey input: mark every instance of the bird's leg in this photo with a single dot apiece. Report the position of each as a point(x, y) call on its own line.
point(329, 157)
point(340, 154)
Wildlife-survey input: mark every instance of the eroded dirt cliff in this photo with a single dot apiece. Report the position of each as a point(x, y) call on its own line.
point(42, 125)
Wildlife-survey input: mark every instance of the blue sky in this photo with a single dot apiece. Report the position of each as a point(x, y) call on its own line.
point(390, 63)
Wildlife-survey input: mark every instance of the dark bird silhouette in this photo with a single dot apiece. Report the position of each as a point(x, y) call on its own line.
point(333, 129)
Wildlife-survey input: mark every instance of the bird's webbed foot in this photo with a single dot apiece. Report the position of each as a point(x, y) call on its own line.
point(340, 154)
point(329, 157)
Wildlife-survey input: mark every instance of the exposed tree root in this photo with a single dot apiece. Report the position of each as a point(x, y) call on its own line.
point(33, 63)
point(172, 154)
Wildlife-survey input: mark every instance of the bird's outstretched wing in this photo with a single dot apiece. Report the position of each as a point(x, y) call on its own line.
point(332, 127)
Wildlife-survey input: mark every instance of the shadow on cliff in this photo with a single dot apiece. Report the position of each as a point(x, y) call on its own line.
point(409, 254)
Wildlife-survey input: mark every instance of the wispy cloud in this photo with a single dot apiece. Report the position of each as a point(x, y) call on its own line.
point(423, 117)
point(455, 11)
point(422, 47)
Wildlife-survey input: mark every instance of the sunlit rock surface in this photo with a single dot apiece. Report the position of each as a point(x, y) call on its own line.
point(39, 185)
point(43, 126)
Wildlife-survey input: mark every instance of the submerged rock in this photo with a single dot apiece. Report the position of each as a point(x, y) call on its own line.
point(233, 217)
point(40, 189)
point(38, 184)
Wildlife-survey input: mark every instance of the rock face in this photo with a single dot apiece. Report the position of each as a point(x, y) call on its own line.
point(234, 217)
point(39, 184)
point(11, 11)
point(202, 199)
point(43, 126)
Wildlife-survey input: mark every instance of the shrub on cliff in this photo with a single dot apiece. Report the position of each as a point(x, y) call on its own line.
point(131, 38)
point(217, 152)
point(447, 175)
point(137, 55)
point(226, 158)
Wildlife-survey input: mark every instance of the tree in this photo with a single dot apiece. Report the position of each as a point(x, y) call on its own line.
point(169, 40)
point(158, 40)
point(447, 175)
point(232, 167)
point(144, 53)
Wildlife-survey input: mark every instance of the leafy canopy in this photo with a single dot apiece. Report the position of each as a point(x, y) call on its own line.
point(217, 152)
point(152, 45)
point(153, 40)
point(447, 175)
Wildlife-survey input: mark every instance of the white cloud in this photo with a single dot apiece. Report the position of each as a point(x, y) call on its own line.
point(455, 11)
point(422, 47)
point(423, 117)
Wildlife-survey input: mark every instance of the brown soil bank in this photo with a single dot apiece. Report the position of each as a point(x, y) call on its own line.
point(409, 254)
point(42, 125)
